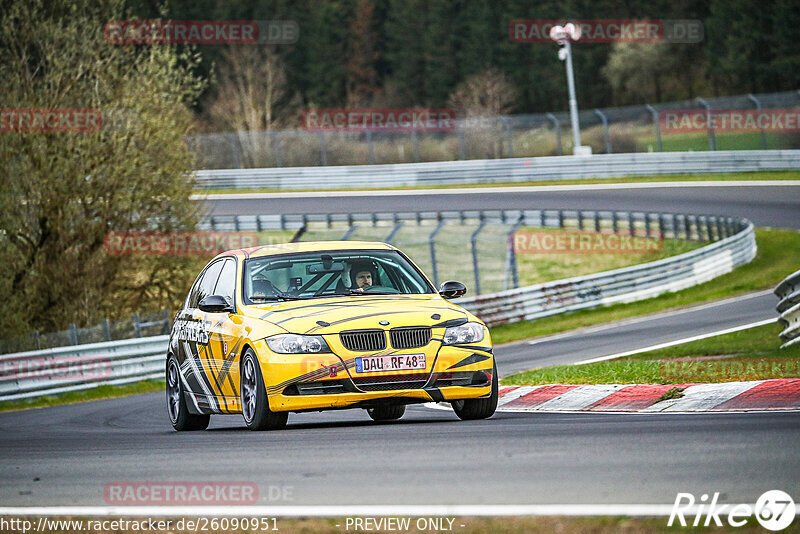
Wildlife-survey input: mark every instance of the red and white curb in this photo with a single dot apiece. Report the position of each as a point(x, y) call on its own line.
point(780, 394)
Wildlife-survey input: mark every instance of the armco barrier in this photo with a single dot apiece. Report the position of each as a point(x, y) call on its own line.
point(789, 308)
point(501, 170)
point(45, 372)
point(138, 359)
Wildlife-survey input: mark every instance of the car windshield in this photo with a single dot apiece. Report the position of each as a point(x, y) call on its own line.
point(328, 273)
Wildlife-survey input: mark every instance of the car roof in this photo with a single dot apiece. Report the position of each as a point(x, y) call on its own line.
point(306, 246)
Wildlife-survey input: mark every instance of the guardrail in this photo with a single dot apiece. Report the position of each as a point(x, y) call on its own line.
point(62, 369)
point(500, 170)
point(45, 372)
point(789, 308)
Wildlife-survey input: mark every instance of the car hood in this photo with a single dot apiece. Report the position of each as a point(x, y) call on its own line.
point(332, 315)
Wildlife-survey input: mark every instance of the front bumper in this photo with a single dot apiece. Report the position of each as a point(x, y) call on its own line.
point(329, 381)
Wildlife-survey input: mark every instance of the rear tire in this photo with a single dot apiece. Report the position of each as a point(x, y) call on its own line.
point(387, 413)
point(470, 409)
point(179, 414)
point(255, 406)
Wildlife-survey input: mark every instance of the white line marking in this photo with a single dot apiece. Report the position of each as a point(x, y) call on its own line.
point(465, 510)
point(678, 341)
point(485, 190)
point(514, 395)
point(579, 398)
point(644, 318)
point(704, 397)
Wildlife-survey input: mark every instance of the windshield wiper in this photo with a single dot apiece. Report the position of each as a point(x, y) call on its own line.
point(278, 298)
point(360, 293)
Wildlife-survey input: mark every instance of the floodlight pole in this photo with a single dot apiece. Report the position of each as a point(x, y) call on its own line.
point(573, 102)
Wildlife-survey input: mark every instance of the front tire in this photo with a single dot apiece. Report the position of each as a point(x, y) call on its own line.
point(470, 409)
point(255, 406)
point(387, 413)
point(179, 414)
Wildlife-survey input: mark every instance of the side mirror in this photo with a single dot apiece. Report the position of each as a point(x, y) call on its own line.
point(215, 304)
point(452, 289)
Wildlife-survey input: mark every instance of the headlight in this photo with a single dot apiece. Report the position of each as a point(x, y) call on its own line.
point(466, 333)
point(297, 344)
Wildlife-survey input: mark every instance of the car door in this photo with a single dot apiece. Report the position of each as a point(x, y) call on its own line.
point(193, 340)
point(226, 335)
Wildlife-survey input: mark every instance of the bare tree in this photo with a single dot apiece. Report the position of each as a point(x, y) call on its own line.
point(480, 100)
point(64, 191)
point(253, 97)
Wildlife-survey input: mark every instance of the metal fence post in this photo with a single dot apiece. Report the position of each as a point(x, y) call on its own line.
point(167, 322)
point(397, 226)
point(511, 262)
point(137, 329)
point(276, 148)
point(712, 140)
point(462, 149)
point(509, 138)
point(73, 333)
point(235, 150)
point(432, 243)
point(370, 148)
point(757, 102)
point(474, 243)
point(559, 149)
point(323, 148)
point(656, 125)
point(606, 136)
point(350, 232)
point(106, 329)
point(415, 146)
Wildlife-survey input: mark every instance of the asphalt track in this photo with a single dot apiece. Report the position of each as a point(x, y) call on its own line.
point(66, 455)
point(776, 206)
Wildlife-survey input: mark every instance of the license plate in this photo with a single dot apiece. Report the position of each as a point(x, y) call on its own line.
point(398, 362)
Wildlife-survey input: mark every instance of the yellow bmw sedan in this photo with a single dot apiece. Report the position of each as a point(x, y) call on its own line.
point(319, 326)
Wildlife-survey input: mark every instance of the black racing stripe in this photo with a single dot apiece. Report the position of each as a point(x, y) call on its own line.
point(469, 360)
point(211, 367)
point(225, 372)
point(451, 322)
point(195, 355)
point(435, 394)
point(311, 376)
point(306, 306)
point(471, 347)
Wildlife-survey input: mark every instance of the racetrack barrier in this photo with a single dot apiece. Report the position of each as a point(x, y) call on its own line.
point(733, 244)
point(487, 171)
point(789, 308)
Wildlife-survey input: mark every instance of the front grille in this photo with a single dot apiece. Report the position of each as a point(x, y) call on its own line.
point(363, 340)
point(461, 378)
point(322, 387)
point(387, 383)
point(410, 338)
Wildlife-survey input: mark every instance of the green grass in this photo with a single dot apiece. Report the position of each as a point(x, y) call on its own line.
point(756, 175)
point(777, 258)
point(751, 354)
point(539, 268)
point(98, 393)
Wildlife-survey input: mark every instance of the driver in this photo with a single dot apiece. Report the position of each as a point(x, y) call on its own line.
point(361, 276)
point(363, 279)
